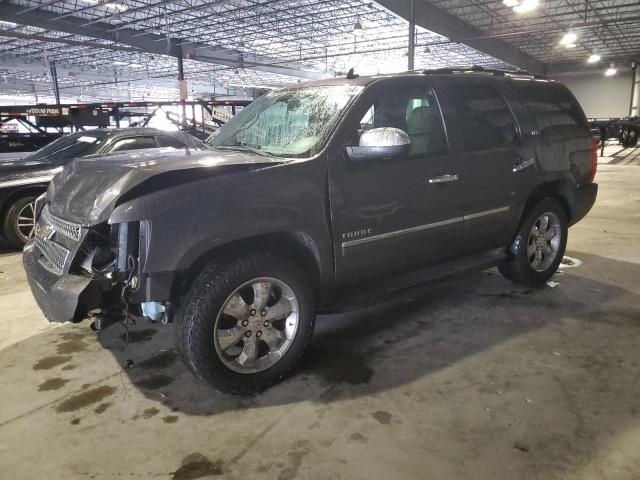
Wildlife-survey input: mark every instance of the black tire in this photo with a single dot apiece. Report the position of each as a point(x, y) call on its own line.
point(200, 308)
point(11, 231)
point(629, 137)
point(518, 266)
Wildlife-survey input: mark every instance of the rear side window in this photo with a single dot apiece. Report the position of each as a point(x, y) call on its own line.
point(483, 116)
point(134, 143)
point(550, 105)
point(169, 141)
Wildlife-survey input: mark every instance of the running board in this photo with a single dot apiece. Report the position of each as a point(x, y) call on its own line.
point(387, 289)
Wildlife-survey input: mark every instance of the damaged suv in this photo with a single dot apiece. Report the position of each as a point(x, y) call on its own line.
point(317, 198)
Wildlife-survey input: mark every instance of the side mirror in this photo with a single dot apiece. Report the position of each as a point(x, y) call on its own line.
point(381, 144)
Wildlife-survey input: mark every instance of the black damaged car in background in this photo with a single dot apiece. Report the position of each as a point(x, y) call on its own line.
point(322, 197)
point(23, 180)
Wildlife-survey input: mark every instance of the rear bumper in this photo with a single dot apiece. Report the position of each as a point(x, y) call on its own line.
point(61, 298)
point(585, 198)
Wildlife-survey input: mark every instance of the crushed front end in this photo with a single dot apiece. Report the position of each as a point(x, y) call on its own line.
point(76, 272)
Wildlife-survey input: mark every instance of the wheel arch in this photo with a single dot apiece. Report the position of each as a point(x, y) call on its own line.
point(561, 190)
point(297, 246)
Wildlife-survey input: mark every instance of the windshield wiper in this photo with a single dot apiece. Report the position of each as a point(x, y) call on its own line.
point(246, 147)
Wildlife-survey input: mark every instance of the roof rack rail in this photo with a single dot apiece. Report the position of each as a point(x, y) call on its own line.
point(497, 72)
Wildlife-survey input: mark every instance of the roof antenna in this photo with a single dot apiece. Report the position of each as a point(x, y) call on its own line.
point(351, 75)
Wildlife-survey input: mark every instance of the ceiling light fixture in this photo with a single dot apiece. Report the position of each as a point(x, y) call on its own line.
point(526, 6)
point(569, 40)
point(611, 71)
point(118, 7)
point(594, 58)
point(523, 6)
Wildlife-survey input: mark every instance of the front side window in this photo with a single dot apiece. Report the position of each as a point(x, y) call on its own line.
point(416, 112)
point(286, 123)
point(134, 143)
point(483, 116)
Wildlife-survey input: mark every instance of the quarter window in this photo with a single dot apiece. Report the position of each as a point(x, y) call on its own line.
point(484, 118)
point(417, 113)
point(550, 105)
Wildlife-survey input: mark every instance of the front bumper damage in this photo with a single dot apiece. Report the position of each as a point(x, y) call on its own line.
point(55, 262)
point(61, 298)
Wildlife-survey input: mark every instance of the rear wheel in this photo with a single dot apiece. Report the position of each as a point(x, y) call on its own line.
point(245, 324)
point(20, 221)
point(538, 248)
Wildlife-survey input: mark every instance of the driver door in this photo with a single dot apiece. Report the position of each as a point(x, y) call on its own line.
point(394, 215)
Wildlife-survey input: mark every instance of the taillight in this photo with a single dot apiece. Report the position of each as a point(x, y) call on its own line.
point(594, 159)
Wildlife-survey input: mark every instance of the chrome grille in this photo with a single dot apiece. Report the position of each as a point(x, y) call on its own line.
point(55, 256)
point(68, 229)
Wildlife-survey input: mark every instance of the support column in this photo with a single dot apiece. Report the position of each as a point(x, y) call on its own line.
point(54, 79)
point(182, 86)
point(412, 34)
point(634, 109)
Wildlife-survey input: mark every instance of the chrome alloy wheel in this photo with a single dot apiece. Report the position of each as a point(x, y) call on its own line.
point(544, 241)
point(256, 325)
point(26, 221)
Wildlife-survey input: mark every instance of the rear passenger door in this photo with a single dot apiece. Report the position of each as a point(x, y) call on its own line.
point(485, 151)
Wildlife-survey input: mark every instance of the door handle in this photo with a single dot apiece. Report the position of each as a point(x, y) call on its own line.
point(523, 164)
point(444, 178)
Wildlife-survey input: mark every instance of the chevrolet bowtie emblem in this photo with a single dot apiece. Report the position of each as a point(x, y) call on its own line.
point(45, 232)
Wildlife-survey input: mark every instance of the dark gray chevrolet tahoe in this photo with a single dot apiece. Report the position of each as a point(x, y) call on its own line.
point(315, 198)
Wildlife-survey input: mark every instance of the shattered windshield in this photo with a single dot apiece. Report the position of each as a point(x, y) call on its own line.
point(286, 123)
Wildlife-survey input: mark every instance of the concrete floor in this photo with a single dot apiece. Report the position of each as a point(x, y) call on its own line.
point(473, 379)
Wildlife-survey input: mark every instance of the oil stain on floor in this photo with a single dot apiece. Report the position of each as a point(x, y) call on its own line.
point(196, 466)
point(47, 363)
point(85, 399)
point(52, 384)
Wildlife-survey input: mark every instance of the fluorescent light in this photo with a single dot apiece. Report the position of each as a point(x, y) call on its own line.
point(568, 39)
point(594, 58)
point(570, 45)
point(611, 71)
point(116, 6)
point(526, 6)
point(8, 24)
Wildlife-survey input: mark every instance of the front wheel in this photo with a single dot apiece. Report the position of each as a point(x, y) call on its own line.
point(244, 324)
point(539, 245)
point(20, 221)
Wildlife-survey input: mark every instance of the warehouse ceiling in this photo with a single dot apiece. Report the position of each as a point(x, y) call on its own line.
point(129, 48)
point(609, 28)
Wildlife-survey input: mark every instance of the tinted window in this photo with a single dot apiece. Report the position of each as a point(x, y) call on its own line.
point(550, 105)
point(483, 116)
point(134, 143)
point(169, 141)
point(415, 112)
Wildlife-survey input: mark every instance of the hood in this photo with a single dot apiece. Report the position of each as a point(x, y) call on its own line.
point(87, 190)
point(22, 171)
